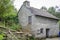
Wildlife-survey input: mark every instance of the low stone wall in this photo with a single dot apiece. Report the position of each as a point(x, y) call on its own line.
point(9, 33)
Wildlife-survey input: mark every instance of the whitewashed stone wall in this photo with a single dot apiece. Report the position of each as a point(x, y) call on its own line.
point(41, 22)
point(37, 23)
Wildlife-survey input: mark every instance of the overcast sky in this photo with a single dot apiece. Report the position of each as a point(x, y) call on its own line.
point(37, 3)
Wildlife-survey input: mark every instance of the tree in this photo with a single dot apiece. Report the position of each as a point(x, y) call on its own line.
point(7, 10)
point(57, 14)
point(43, 7)
point(51, 10)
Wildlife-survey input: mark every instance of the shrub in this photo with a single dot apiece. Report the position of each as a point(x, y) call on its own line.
point(15, 27)
point(1, 36)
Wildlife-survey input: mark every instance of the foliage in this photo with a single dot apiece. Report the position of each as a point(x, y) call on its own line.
point(6, 9)
point(57, 14)
point(44, 8)
point(1, 36)
point(51, 10)
point(15, 27)
point(8, 14)
point(32, 38)
point(59, 24)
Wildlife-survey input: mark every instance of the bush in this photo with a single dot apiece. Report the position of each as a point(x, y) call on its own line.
point(1, 36)
point(15, 27)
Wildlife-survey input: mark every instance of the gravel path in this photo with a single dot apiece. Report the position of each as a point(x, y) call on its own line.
point(53, 39)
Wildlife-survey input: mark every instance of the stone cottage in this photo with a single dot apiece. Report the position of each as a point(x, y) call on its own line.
point(37, 22)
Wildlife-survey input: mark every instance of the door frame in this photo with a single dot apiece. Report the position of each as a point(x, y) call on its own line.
point(47, 32)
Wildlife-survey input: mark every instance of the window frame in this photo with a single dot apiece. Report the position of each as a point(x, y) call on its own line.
point(29, 19)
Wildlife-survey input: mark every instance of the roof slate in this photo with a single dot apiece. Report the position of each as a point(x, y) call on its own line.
point(41, 12)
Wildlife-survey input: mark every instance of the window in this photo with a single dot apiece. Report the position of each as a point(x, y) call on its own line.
point(40, 31)
point(29, 19)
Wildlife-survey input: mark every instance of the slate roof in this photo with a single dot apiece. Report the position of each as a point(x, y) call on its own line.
point(41, 12)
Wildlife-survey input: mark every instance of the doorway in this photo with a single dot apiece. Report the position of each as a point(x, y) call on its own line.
point(47, 32)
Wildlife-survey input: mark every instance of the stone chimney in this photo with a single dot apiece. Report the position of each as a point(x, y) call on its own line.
point(26, 3)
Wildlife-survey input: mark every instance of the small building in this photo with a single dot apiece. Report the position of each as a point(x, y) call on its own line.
point(38, 22)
